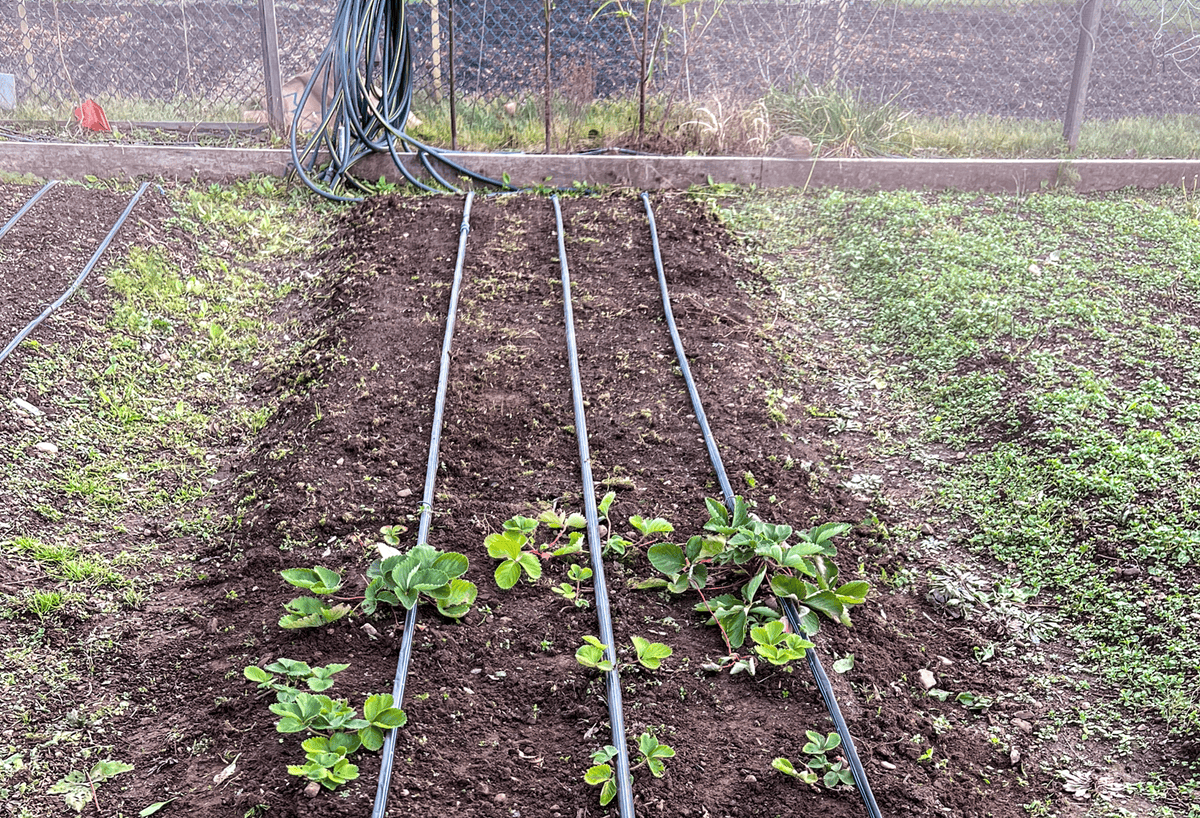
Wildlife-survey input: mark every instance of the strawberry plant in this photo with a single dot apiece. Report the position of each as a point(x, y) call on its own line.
point(775, 645)
point(818, 767)
point(78, 787)
point(741, 551)
point(650, 654)
point(578, 574)
point(591, 654)
point(519, 553)
point(336, 729)
point(402, 578)
point(310, 611)
point(396, 578)
point(651, 757)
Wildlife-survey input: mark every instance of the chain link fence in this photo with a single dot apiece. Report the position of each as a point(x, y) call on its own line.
point(191, 60)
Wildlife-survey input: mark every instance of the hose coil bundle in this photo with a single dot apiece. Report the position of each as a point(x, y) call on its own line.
point(364, 79)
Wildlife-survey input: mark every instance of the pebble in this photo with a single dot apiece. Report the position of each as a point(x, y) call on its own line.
point(927, 679)
point(887, 765)
point(207, 376)
point(1022, 725)
point(48, 448)
point(750, 779)
point(1014, 757)
point(499, 798)
point(404, 493)
point(27, 408)
point(313, 789)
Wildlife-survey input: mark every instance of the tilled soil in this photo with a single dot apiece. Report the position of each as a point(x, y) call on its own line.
point(501, 718)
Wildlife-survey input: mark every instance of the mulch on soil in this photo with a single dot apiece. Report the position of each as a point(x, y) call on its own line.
point(502, 720)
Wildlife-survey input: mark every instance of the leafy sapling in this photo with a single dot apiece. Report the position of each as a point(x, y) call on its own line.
point(317, 679)
point(653, 754)
point(311, 611)
point(336, 731)
point(601, 774)
point(777, 647)
point(401, 579)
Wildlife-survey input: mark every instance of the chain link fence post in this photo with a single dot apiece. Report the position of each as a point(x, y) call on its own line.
point(1089, 30)
point(270, 59)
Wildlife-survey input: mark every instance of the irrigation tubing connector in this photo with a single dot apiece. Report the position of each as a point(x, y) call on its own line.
point(8, 225)
point(388, 757)
point(62, 299)
point(714, 455)
point(612, 679)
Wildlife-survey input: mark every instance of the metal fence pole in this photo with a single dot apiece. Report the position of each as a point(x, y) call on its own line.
point(270, 52)
point(1089, 28)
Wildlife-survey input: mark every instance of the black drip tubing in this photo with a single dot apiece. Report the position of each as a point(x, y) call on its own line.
point(714, 455)
point(363, 80)
point(83, 275)
point(612, 679)
point(8, 225)
point(435, 438)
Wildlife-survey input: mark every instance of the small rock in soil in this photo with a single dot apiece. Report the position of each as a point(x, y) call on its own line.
point(1022, 725)
point(1014, 757)
point(749, 779)
point(927, 679)
point(48, 448)
point(887, 765)
point(313, 789)
point(500, 798)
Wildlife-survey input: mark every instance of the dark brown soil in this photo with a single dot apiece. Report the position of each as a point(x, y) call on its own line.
point(502, 719)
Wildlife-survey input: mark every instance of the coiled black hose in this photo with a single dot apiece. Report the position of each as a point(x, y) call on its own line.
point(62, 299)
point(612, 679)
point(363, 80)
point(388, 756)
point(714, 455)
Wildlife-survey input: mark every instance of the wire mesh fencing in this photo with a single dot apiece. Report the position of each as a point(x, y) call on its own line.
point(186, 59)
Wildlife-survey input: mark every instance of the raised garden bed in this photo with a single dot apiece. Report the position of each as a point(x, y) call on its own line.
point(502, 719)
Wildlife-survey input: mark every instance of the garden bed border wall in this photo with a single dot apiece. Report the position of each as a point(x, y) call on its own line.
point(52, 160)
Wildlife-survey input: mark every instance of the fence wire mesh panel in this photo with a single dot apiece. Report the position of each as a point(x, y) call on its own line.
point(945, 57)
point(160, 60)
point(186, 59)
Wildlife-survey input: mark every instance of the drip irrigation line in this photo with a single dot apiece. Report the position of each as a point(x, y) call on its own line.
point(435, 438)
point(8, 225)
point(714, 455)
point(612, 679)
point(83, 275)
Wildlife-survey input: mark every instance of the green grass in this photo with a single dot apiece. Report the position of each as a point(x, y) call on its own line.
point(1169, 137)
point(1051, 340)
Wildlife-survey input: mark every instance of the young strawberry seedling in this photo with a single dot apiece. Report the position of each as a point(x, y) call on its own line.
point(818, 767)
point(573, 593)
point(591, 654)
point(337, 731)
point(652, 755)
point(396, 578)
point(517, 548)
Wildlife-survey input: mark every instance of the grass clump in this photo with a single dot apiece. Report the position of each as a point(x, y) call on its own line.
point(839, 120)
